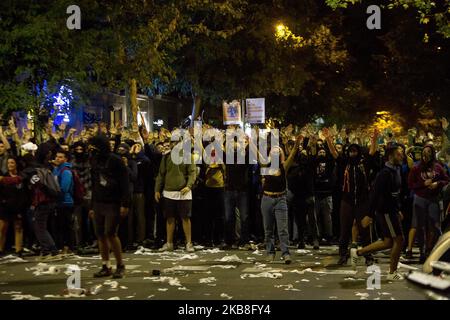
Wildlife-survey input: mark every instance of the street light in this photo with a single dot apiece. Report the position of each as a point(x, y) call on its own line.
point(281, 30)
point(284, 34)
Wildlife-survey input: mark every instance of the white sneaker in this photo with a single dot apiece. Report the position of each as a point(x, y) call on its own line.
point(395, 276)
point(354, 257)
point(166, 247)
point(190, 247)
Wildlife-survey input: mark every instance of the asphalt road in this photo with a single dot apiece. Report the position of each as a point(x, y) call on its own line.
point(208, 274)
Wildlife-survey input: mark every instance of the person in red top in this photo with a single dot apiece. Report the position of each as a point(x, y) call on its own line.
point(426, 180)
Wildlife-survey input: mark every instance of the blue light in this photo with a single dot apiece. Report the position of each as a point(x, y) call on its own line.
point(61, 105)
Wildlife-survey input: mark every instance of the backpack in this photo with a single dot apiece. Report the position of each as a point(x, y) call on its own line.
point(49, 182)
point(79, 191)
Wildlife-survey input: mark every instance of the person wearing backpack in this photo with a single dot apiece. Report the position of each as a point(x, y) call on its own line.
point(43, 190)
point(65, 201)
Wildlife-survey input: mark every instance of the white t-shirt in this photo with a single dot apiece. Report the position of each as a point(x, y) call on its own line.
point(176, 195)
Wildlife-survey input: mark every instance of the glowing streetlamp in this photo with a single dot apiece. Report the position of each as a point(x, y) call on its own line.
point(282, 33)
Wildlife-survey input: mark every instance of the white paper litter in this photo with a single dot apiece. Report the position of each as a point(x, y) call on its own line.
point(52, 296)
point(111, 283)
point(228, 266)
point(362, 294)
point(257, 252)
point(332, 297)
point(183, 289)
point(302, 251)
point(12, 292)
point(170, 280)
point(114, 298)
point(215, 250)
point(271, 275)
point(287, 287)
point(199, 247)
point(207, 280)
point(334, 272)
point(150, 296)
point(24, 297)
point(304, 280)
point(163, 289)
point(233, 258)
point(226, 296)
point(186, 268)
point(11, 259)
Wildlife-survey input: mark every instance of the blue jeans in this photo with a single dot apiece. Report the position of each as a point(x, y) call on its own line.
point(40, 219)
point(275, 209)
point(236, 199)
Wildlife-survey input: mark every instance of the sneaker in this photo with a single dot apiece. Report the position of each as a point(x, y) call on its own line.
point(316, 244)
point(301, 245)
point(287, 259)
point(409, 255)
point(395, 276)
point(342, 260)
point(166, 247)
point(190, 247)
point(270, 257)
point(119, 273)
point(354, 257)
point(104, 272)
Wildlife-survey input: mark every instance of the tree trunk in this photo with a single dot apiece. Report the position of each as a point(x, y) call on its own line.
point(134, 103)
point(197, 101)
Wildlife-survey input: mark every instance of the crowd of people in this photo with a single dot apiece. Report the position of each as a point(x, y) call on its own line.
point(111, 189)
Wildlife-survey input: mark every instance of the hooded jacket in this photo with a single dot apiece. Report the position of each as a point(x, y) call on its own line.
point(110, 179)
point(144, 175)
point(65, 179)
point(422, 172)
point(354, 177)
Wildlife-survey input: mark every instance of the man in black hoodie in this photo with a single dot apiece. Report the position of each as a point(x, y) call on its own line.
point(301, 185)
point(81, 165)
point(141, 191)
point(110, 202)
point(324, 181)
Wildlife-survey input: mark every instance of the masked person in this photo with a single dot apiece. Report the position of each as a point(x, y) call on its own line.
point(83, 226)
point(324, 181)
point(126, 233)
point(354, 171)
point(110, 202)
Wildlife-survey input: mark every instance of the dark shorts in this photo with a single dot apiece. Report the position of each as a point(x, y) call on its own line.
point(107, 219)
point(177, 208)
point(390, 224)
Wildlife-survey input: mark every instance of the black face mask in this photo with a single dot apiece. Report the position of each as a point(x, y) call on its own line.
point(80, 156)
